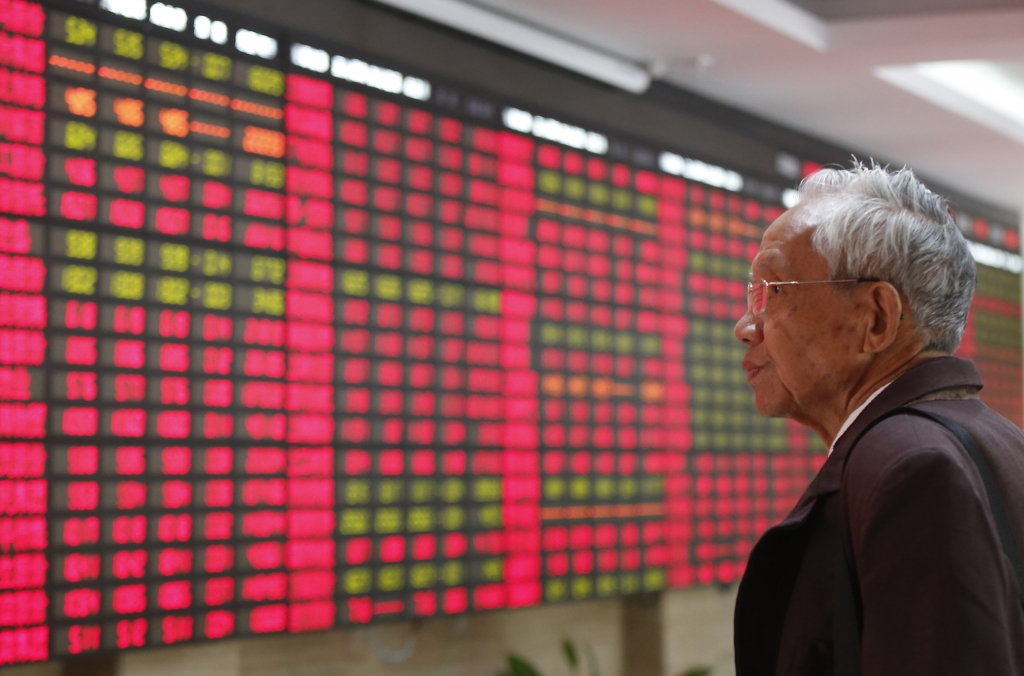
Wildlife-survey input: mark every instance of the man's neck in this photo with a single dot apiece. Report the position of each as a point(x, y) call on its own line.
point(875, 378)
point(852, 418)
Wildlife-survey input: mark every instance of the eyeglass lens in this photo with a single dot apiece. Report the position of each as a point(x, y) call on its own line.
point(756, 297)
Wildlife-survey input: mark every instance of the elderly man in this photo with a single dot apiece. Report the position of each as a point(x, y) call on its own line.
point(859, 296)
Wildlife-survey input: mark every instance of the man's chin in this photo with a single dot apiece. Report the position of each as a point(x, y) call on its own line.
point(770, 406)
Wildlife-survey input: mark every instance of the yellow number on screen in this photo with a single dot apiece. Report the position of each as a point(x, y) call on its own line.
point(452, 295)
point(607, 585)
point(421, 291)
point(491, 516)
point(172, 290)
point(79, 136)
point(391, 578)
point(624, 343)
point(599, 194)
point(622, 200)
point(493, 569)
point(78, 31)
point(452, 573)
point(128, 145)
point(577, 336)
point(127, 285)
point(268, 173)
point(389, 287)
point(579, 488)
point(79, 279)
point(550, 182)
point(487, 490)
point(216, 263)
point(174, 257)
point(555, 590)
point(554, 488)
point(216, 163)
point(582, 588)
point(128, 43)
point(575, 188)
point(265, 269)
point(355, 282)
point(487, 300)
point(654, 580)
point(647, 205)
point(388, 520)
point(173, 155)
point(601, 340)
point(421, 519)
point(453, 518)
point(357, 492)
point(354, 522)
point(217, 296)
point(266, 80)
point(452, 490)
point(268, 301)
point(173, 56)
point(81, 244)
point(216, 67)
point(390, 490)
point(129, 251)
point(358, 580)
point(423, 575)
point(627, 488)
point(551, 334)
point(423, 490)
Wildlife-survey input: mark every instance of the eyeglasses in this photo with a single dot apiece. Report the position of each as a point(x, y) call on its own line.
point(757, 292)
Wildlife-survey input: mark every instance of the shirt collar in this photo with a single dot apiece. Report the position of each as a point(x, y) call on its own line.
point(852, 418)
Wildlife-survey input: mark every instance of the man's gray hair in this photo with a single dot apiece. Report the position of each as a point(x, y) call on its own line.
point(887, 225)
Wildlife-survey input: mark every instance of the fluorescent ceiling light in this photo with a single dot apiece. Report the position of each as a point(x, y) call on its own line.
point(785, 18)
point(528, 40)
point(985, 92)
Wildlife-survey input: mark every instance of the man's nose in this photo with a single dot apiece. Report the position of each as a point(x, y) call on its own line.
point(748, 329)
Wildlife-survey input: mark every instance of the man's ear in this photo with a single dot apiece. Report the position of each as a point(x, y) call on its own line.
point(885, 310)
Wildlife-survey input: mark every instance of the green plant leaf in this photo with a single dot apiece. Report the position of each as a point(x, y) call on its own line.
point(520, 667)
point(697, 671)
point(571, 656)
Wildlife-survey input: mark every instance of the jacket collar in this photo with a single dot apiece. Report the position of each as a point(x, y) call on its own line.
point(925, 378)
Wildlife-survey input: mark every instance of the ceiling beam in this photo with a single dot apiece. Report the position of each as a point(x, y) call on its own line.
point(522, 37)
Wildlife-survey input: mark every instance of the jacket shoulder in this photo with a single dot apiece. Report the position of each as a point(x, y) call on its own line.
point(900, 452)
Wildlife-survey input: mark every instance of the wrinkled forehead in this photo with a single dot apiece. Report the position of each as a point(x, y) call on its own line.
point(787, 250)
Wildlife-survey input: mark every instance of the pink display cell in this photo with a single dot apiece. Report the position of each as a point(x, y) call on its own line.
point(130, 564)
point(175, 188)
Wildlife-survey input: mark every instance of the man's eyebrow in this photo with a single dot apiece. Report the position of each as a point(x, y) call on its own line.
point(766, 263)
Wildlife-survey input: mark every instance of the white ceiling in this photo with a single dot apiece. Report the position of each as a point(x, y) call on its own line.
point(779, 61)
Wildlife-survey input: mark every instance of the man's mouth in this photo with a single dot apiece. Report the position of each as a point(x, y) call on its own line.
point(752, 370)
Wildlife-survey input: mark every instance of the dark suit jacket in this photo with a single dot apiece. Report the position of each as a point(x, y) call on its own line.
point(938, 594)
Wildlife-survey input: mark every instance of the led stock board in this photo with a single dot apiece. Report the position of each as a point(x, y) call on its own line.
point(290, 340)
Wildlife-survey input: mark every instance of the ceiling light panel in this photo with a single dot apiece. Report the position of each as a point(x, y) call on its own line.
point(989, 93)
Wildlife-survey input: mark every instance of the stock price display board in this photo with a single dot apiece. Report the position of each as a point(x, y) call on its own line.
point(291, 341)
